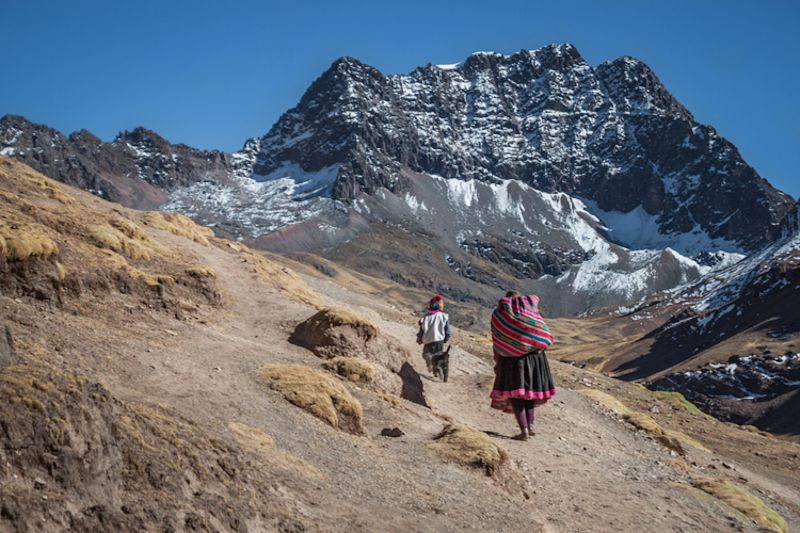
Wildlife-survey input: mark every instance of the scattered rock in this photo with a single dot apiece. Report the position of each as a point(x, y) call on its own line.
point(392, 432)
point(39, 483)
point(655, 409)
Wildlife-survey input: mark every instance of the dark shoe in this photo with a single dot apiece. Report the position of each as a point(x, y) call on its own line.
point(522, 436)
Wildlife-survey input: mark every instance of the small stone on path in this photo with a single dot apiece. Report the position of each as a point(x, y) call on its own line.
point(392, 432)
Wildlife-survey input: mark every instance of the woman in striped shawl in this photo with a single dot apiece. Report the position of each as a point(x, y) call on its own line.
point(522, 375)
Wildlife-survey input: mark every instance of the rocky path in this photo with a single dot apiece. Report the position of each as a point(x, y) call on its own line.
point(583, 470)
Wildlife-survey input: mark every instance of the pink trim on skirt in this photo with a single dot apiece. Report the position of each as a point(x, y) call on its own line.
point(522, 394)
point(500, 398)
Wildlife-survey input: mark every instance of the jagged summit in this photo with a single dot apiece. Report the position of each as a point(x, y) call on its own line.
point(534, 165)
point(634, 88)
point(611, 134)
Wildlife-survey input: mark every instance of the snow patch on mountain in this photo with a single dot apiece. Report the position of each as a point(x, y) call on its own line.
point(723, 286)
point(251, 208)
point(303, 184)
point(638, 229)
point(535, 217)
point(749, 377)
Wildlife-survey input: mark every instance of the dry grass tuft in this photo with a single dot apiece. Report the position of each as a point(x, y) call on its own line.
point(18, 243)
point(353, 368)
point(647, 424)
point(61, 272)
point(680, 465)
point(338, 316)
point(257, 441)
point(201, 272)
point(106, 236)
point(753, 429)
point(392, 399)
point(127, 227)
point(674, 440)
point(277, 276)
point(606, 401)
point(686, 440)
point(317, 393)
point(679, 401)
point(749, 505)
point(179, 225)
point(469, 446)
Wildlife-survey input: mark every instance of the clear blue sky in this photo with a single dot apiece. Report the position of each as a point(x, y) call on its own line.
point(211, 74)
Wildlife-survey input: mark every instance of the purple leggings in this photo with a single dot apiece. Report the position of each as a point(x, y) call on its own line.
point(523, 410)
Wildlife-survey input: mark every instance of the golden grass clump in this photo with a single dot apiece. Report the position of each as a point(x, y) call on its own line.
point(127, 227)
point(392, 399)
point(255, 440)
point(353, 368)
point(745, 503)
point(338, 316)
point(56, 193)
point(280, 277)
point(106, 236)
point(674, 440)
point(201, 272)
point(647, 424)
point(179, 225)
point(334, 317)
point(61, 272)
point(679, 401)
point(606, 401)
point(317, 393)
point(753, 429)
point(468, 446)
point(18, 243)
point(686, 440)
point(680, 465)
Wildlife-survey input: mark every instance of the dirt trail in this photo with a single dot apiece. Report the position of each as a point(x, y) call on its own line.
point(586, 470)
point(583, 470)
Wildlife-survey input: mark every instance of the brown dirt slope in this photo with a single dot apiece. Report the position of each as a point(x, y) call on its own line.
point(130, 407)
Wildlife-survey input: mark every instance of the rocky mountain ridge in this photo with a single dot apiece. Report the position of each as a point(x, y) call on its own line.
point(593, 186)
point(612, 134)
point(137, 169)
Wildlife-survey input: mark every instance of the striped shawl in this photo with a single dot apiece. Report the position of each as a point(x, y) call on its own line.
point(518, 328)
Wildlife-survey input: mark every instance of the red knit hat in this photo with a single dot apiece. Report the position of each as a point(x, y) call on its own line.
point(437, 302)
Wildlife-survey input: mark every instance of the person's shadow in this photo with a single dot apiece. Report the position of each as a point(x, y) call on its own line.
point(496, 434)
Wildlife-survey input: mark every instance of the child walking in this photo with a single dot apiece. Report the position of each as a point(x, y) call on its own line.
point(434, 331)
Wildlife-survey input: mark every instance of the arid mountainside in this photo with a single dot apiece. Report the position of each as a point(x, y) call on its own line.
point(155, 377)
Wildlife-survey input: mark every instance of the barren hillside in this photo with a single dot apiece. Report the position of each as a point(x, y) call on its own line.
point(154, 377)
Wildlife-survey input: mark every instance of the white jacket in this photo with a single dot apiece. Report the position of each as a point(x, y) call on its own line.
point(435, 327)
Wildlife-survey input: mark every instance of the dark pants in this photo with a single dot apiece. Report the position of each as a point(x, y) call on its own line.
point(429, 350)
point(441, 364)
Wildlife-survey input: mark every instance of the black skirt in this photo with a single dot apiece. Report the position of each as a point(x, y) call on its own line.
point(527, 377)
